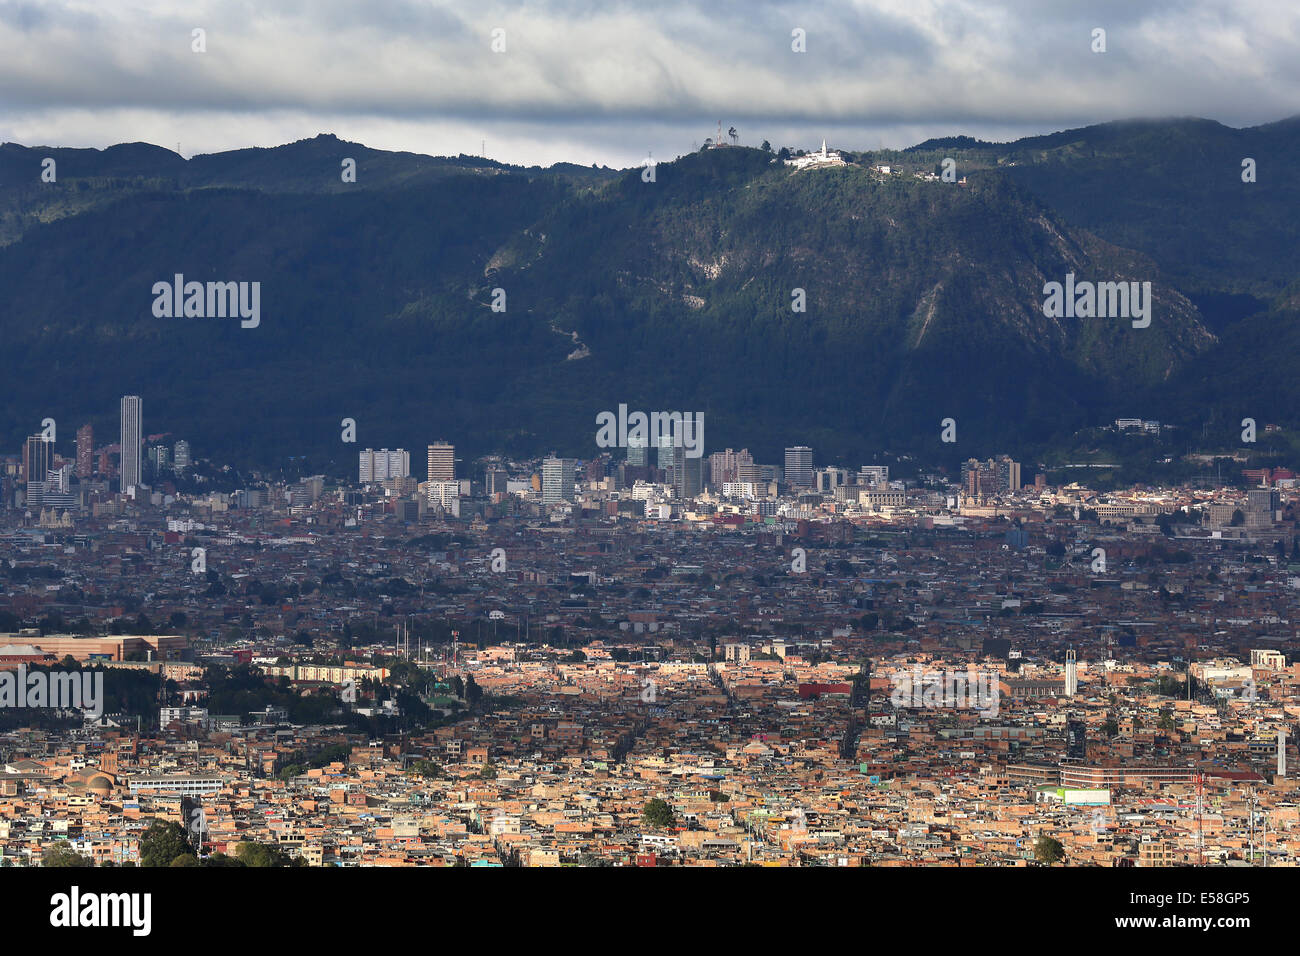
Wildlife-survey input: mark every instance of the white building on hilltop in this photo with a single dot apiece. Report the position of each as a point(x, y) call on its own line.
point(817, 160)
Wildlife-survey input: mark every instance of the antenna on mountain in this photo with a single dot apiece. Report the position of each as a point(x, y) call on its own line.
point(482, 148)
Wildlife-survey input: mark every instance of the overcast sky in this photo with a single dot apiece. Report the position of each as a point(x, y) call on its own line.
point(609, 82)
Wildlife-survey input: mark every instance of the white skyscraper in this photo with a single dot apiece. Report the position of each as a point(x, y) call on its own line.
point(1071, 673)
point(399, 463)
point(375, 466)
point(558, 476)
point(131, 441)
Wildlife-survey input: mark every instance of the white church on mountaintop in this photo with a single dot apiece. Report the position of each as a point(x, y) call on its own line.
point(816, 160)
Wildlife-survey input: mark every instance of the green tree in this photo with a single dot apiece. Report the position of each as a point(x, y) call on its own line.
point(162, 843)
point(658, 814)
point(63, 855)
point(263, 855)
point(1048, 850)
point(220, 859)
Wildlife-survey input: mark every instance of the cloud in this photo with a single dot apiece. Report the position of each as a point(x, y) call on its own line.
point(607, 82)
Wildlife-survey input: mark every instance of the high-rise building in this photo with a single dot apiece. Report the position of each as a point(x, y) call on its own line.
point(181, 455)
point(377, 466)
point(664, 450)
point(1071, 673)
point(159, 457)
point(638, 455)
point(496, 481)
point(558, 477)
point(829, 478)
point(687, 474)
point(132, 433)
point(975, 481)
point(36, 459)
point(399, 463)
point(724, 466)
point(306, 492)
point(799, 466)
point(1008, 473)
point(58, 481)
point(991, 477)
point(85, 451)
point(442, 462)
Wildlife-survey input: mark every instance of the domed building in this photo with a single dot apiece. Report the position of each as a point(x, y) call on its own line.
point(93, 781)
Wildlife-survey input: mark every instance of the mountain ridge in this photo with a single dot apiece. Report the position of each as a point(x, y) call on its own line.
point(924, 298)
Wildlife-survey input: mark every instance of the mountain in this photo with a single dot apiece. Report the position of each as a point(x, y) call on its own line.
point(1174, 190)
point(923, 298)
